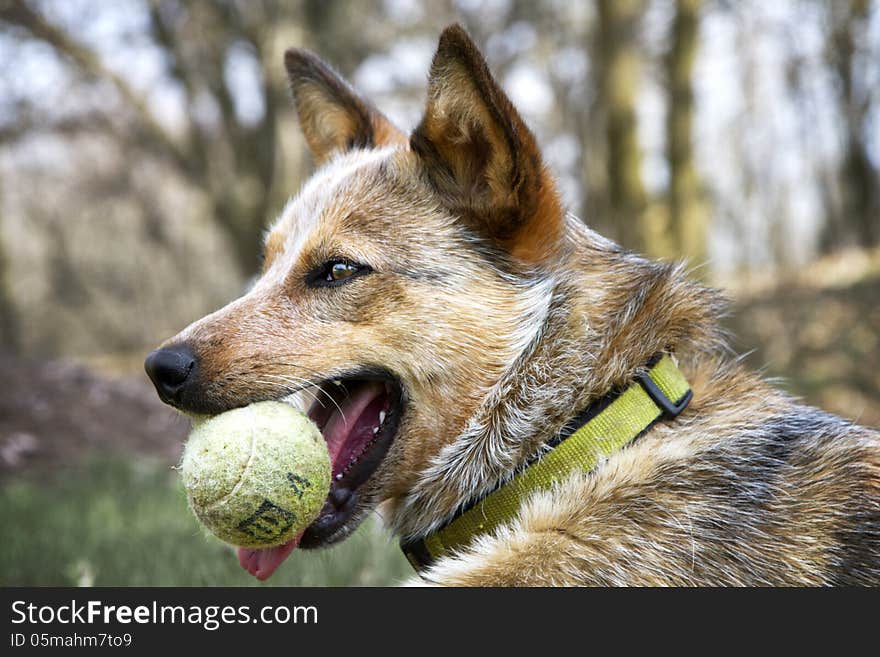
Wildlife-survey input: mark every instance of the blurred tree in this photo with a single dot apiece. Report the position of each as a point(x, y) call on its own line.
point(224, 151)
point(231, 159)
point(857, 219)
point(9, 337)
point(688, 214)
point(179, 197)
point(220, 149)
point(620, 197)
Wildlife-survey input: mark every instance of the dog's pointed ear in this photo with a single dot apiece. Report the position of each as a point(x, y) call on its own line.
point(333, 117)
point(481, 157)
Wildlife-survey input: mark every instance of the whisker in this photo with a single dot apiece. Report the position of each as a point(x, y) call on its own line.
point(320, 389)
point(335, 382)
point(318, 374)
point(292, 391)
point(302, 384)
point(308, 384)
point(322, 376)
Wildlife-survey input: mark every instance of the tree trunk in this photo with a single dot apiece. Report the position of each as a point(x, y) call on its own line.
point(10, 338)
point(858, 220)
point(619, 63)
point(688, 216)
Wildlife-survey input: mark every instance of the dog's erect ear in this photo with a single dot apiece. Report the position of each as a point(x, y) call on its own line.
point(480, 156)
point(333, 117)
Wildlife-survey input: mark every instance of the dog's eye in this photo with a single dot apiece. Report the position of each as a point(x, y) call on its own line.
point(340, 271)
point(336, 272)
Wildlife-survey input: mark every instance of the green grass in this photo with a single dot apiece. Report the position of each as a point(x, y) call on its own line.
point(113, 523)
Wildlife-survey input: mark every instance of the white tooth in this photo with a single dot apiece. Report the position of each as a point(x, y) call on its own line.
point(375, 430)
point(381, 417)
point(339, 477)
point(337, 382)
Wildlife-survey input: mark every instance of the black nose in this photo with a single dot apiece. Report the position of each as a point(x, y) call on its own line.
point(169, 369)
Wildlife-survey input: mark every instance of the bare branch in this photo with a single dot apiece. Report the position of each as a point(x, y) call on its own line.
point(18, 13)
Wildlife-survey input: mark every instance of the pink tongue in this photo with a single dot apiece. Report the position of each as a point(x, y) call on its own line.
point(349, 428)
point(262, 562)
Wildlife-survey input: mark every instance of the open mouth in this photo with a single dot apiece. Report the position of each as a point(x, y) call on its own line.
point(358, 418)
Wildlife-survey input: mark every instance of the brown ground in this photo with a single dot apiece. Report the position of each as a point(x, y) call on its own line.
point(823, 339)
point(53, 413)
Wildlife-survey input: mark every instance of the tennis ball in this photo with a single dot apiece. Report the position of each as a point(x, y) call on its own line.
point(256, 476)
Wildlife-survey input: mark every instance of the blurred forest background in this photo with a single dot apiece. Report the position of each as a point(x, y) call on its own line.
point(146, 144)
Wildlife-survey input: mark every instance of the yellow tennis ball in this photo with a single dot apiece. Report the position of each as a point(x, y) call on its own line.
point(256, 476)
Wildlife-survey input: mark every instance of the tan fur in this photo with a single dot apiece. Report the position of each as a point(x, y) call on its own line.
point(333, 117)
point(503, 318)
point(481, 157)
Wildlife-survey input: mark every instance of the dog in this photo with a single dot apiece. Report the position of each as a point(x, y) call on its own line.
point(462, 337)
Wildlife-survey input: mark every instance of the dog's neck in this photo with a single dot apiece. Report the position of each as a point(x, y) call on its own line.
point(610, 311)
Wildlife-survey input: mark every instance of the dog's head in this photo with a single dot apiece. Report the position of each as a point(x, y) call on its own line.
point(400, 283)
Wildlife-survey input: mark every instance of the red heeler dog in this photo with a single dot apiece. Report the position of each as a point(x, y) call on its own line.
point(531, 403)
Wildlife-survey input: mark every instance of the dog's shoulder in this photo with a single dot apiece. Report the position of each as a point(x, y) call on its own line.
point(752, 490)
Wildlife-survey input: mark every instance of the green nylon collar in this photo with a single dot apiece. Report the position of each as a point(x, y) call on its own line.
point(607, 426)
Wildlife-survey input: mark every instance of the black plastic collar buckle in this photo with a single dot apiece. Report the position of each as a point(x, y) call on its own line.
point(416, 552)
point(671, 409)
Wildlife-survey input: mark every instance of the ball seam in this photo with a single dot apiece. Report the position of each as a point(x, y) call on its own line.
point(247, 466)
